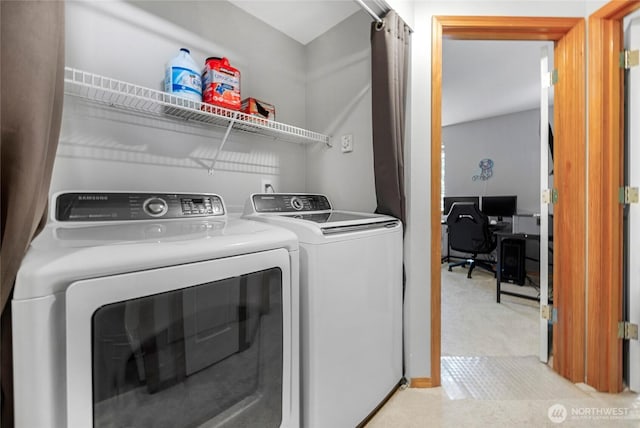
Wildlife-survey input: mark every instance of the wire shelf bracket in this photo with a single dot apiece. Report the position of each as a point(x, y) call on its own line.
point(232, 121)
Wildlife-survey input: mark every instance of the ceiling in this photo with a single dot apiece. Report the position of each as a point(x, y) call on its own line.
point(483, 79)
point(302, 20)
point(480, 78)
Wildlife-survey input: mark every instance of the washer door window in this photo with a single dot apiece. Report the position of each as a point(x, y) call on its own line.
point(210, 353)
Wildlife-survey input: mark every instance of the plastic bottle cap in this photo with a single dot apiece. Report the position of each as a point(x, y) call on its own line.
point(185, 50)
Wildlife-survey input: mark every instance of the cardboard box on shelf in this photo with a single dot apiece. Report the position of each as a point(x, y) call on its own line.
point(258, 108)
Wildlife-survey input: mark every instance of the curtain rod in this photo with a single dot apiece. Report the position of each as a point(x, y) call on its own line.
point(369, 11)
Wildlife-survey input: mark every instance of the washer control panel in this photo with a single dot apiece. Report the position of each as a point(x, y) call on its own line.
point(98, 206)
point(289, 202)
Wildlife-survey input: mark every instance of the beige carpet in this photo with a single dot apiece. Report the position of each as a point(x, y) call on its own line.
point(473, 324)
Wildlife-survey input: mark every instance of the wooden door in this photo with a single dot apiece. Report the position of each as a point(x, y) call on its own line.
point(606, 167)
point(569, 241)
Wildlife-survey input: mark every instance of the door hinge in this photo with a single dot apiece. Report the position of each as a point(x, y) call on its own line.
point(550, 196)
point(550, 78)
point(549, 313)
point(627, 330)
point(629, 195)
point(629, 59)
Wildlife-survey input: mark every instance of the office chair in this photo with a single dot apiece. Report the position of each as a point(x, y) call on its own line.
point(470, 232)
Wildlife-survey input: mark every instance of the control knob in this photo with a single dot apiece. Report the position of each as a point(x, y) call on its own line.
point(296, 203)
point(155, 207)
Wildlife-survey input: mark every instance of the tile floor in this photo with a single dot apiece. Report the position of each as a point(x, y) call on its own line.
point(491, 375)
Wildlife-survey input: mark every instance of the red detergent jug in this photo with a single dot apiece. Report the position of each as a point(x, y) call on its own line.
point(221, 83)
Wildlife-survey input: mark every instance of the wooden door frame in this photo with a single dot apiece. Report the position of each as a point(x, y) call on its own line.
point(570, 132)
point(605, 221)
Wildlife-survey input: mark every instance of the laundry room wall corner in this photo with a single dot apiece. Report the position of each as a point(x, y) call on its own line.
point(339, 103)
point(108, 39)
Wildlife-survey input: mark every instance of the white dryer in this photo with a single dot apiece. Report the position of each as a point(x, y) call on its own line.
point(351, 305)
point(155, 310)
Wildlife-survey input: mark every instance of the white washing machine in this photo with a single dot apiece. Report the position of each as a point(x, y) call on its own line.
point(351, 305)
point(156, 310)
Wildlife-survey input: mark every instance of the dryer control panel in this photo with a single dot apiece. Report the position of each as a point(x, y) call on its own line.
point(289, 202)
point(98, 206)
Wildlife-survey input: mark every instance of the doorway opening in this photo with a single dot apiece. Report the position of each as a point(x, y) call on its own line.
point(568, 37)
point(491, 119)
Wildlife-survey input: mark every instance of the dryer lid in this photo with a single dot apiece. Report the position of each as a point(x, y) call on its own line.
point(60, 255)
point(100, 234)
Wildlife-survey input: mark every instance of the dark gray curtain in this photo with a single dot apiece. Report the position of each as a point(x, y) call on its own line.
point(390, 50)
point(32, 85)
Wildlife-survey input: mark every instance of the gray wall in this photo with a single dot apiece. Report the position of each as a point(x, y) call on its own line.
point(512, 142)
point(339, 103)
point(101, 149)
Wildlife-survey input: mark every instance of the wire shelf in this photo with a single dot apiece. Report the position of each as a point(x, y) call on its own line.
point(127, 96)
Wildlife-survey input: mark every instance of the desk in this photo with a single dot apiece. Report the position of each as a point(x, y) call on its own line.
point(501, 236)
point(500, 227)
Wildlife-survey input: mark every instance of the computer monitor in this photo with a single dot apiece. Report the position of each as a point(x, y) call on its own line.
point(449, 200)
point(500, 206)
